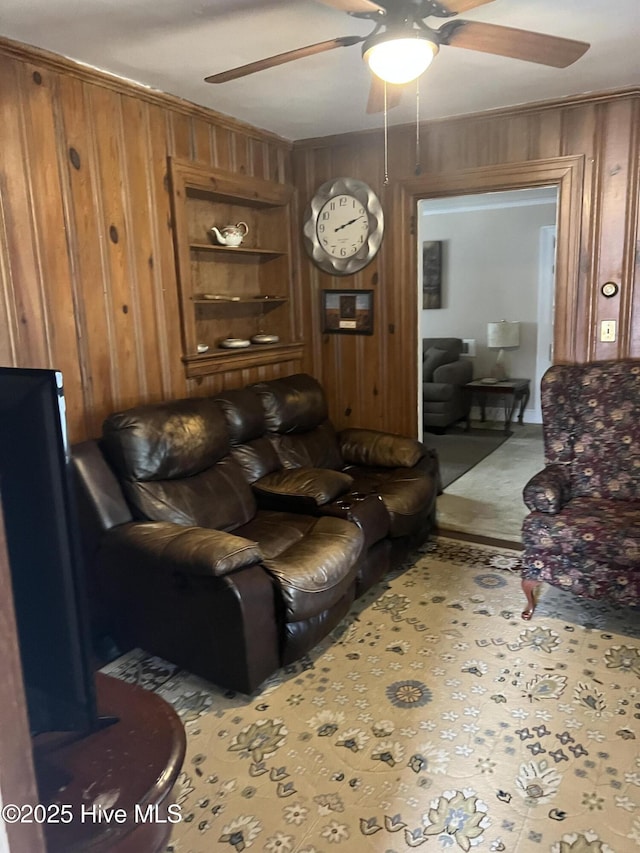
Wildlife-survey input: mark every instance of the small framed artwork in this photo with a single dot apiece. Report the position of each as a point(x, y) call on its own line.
point(347, 311)
point(432, 274)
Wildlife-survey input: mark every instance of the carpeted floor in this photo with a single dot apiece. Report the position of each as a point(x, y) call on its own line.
point(487, 500)
point(433, 717)
point(459, 451)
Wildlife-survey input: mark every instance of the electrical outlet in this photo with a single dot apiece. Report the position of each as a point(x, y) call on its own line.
point(469, 347)
point(608, 330)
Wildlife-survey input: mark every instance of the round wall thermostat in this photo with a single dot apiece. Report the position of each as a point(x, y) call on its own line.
point(609, 288)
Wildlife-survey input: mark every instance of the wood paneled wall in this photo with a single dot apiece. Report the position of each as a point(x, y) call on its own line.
point(372, 381)
point(87, 272)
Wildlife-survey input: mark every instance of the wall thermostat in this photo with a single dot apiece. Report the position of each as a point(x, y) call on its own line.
point(609, 288)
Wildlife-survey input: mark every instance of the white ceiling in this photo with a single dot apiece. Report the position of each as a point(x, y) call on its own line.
point(171, 45)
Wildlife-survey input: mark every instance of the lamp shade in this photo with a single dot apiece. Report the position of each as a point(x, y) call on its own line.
point(503, 335)
point(401, 58)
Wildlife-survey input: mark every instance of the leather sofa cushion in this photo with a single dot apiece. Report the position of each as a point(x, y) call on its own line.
point(433, 358)
point(317, 448)
point(174, 464)
point(218, 498)
point(250, 446)
point(371, 447)
point(166, 441)
point(297, 416)
point(243, 413)
point(317, 571)
point(276, 531)
point(257, 458)
point(405, 493)
point(321, 485)
point(166, 547)
point(293, 404)
point(313, 560)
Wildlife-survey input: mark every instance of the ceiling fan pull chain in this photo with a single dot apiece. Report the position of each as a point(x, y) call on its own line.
point(386, 139)
point(418, 169)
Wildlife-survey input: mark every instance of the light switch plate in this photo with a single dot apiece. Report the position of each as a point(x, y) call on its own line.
point(608, 330)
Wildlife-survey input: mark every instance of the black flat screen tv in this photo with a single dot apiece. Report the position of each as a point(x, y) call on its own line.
point(38, 504)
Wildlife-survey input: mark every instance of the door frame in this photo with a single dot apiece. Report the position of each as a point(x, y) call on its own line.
point(566, 173)
point(546, 301)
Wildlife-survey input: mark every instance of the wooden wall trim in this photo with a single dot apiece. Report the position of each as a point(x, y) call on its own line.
point(630, 267)
point(517, 110)
point(570, 337)
point(60, 64)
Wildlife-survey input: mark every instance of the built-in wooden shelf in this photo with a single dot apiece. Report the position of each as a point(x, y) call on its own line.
point(236, 250)
point(256, 355)
point(241, 300)
point(255, 278)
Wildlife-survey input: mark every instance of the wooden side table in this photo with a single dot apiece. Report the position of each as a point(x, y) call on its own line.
point(115, 782)
point(513, 391)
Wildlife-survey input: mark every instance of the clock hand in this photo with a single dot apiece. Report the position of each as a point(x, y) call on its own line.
point(350, 222)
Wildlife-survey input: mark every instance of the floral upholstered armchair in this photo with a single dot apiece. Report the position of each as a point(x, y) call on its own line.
point(583, 532)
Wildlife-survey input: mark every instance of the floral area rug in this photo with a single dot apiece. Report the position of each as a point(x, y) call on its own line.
point(433, 718)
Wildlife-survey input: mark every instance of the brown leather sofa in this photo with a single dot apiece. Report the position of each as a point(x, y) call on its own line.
point(196, 554)
point(317, 491)
point(400, 470)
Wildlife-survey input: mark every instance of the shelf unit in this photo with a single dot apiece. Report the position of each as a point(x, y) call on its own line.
point(248, 286)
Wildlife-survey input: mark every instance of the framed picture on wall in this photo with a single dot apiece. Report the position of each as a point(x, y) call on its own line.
point(432, 274)
point(347, 311)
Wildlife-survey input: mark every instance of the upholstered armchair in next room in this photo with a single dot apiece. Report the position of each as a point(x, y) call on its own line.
point(583, 532)
point(444, 373)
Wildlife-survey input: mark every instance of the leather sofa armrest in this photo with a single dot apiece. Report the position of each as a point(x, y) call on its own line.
point(454, 373)
point(317, 485)
point(167, 548)
point(379, 449)
point(548, 490)
point(367, 511)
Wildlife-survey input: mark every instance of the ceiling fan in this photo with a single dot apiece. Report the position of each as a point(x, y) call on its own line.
point(402, 38)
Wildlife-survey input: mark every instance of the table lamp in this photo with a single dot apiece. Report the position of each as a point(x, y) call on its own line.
point(502, 335)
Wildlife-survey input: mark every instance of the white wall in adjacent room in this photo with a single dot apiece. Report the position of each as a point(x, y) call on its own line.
point(490, 271)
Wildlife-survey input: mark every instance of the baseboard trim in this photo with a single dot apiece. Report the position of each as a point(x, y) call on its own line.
point(475, 537)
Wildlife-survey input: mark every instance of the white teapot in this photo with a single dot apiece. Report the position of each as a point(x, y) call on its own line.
point(231, 235)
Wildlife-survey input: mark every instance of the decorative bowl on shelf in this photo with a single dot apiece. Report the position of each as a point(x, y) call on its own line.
point(264, 339)
point(202, 348)
point(218, 297)
point(235, 343)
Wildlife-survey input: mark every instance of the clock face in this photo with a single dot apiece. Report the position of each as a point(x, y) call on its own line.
point(343, 226)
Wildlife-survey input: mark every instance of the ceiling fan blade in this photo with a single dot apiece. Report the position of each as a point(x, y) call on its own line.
point(517, 44)
point(457, 6)
point(281, 58)
point(356, 5)
point(375, 104)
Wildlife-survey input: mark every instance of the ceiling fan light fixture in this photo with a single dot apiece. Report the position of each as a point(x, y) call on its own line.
point(399, 58)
